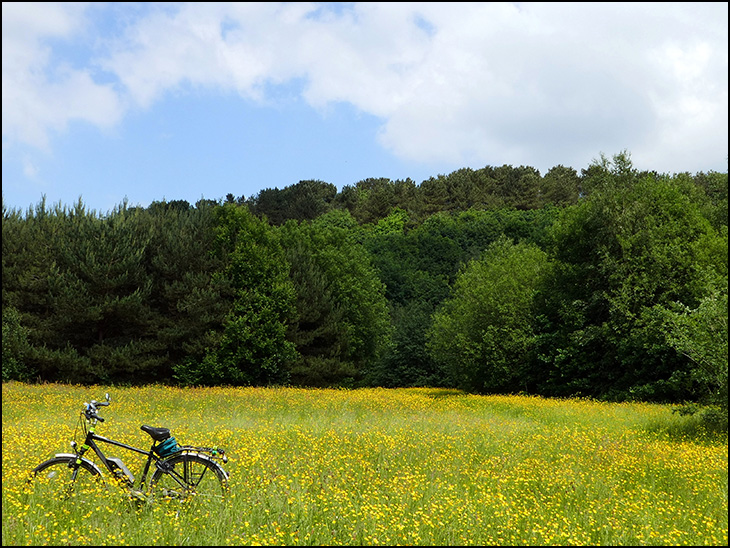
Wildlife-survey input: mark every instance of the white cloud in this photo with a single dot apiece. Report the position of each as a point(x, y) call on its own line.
point(30, 169)
point(41, 93)
point(477, 83)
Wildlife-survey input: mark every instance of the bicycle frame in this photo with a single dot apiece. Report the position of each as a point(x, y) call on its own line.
point(90, 443)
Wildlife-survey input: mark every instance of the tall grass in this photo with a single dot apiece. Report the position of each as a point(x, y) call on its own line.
point(411, 466)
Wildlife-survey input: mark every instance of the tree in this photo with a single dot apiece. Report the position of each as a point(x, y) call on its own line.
point(519, 187)
point(633, 244)
point(317, 329)
point(305, 200)
point(701, 334)
point(435, 196)
point(309, 199)
point(28, 253)
point(252, 348)
point(714, 185)
point(560, 186)
point(406, 361)
point(15, 347)
point(88, 319)
point(342, 322)
point(372, 199)
point(604, 172)
point(189, 296)
point(483, 334)
point(270, 203)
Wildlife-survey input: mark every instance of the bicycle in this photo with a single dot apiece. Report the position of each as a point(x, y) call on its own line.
point(179, 472)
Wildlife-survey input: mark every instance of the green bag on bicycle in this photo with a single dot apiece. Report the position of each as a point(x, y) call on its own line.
point(167, 447)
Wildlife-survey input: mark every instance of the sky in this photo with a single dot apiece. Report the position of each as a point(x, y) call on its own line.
point(112, 102)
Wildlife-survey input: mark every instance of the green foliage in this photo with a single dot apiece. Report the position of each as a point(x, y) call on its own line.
point(101, 262)
point(406, 361)
point(419, 267)
point(560, 186)
point(189, 296)
point(343, 288)
point(252, 348)
point(519, 187)
point(714, 185)
point(305, 200)
point(373, 199)
point(483, 334)
point(701, 334)
point(421, 264)
point(15, 347)
point(83, 287)
point(342, 323)
point(608, 173)
point(316, 329)
point(396, 222)
point(637, 242)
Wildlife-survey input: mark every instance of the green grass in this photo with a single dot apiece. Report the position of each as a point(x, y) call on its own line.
point(410, 466)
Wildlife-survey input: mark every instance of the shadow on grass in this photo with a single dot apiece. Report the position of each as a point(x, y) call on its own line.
point(437, 393)
point(705, 425)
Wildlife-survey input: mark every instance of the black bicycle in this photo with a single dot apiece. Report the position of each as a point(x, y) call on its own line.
point(177, 472)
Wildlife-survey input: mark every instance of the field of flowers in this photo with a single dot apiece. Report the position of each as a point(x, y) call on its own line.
point(377, 466)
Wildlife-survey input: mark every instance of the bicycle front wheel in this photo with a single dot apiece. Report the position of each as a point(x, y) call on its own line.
point(189, 475)
point(60, 477)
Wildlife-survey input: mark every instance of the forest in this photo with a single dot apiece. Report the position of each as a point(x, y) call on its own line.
point(610, 283)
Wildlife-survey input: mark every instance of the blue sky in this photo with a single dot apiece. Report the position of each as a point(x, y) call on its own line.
point(152, 101)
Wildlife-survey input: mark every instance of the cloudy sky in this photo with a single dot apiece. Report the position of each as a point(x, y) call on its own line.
point(167, 101)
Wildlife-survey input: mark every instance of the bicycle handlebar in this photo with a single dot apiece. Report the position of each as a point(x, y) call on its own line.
point(91, 411)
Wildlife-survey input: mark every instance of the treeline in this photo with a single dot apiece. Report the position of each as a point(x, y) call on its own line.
point(611, 283)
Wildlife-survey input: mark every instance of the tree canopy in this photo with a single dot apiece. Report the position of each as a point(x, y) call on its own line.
point(608, 282)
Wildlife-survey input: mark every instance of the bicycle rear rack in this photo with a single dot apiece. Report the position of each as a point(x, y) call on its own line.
point(214, 452)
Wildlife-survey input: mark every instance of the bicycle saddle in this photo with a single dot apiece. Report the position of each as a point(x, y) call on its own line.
point(158, 434)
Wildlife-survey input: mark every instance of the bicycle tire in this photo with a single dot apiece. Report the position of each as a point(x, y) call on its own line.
point(203, 479)
point(60, 478)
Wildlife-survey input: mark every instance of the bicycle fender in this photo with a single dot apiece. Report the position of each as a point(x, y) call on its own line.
point(83, 459)
point(210, 460)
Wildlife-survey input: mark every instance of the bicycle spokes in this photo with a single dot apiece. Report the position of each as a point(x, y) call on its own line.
point(60, 478)
point(187, 476)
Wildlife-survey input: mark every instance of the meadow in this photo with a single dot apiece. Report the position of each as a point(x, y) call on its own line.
point(379, 466)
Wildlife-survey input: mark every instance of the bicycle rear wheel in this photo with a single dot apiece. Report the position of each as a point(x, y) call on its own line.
point(60, 477)
point(189, 475)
